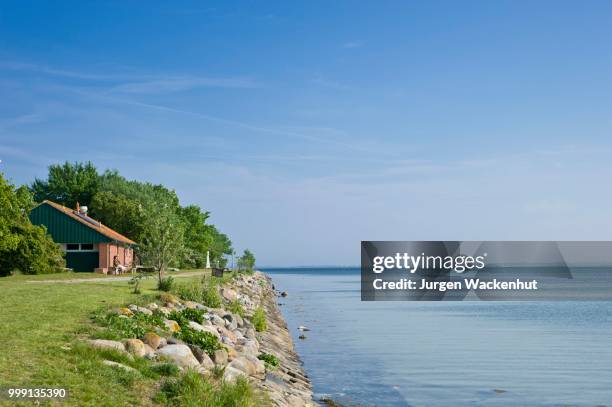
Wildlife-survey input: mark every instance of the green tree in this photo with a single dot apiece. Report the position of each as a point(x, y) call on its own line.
point(23, 246)
point(126, 216)
point(198, 238)
point(246, 262)
point(163, 233)
point(68, 184)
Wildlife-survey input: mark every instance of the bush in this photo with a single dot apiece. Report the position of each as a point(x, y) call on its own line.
point(183, 317)
point(191, 389)
point(120, 327)
point(236, 307)
point(205, 340)
point(165, 284)
point(269, 359)
point(210, 296)
point(190, 292)
point(259, 320)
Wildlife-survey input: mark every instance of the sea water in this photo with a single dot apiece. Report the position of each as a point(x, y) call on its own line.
point(445, 353)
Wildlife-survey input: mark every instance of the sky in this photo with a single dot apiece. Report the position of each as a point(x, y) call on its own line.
point(306, 127)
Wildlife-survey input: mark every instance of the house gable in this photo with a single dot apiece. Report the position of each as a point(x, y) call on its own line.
point(63, 228)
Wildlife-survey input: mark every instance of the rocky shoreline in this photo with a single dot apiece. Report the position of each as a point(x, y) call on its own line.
point(243, 351)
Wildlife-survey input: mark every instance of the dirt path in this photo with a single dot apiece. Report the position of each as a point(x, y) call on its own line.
point(111, 279)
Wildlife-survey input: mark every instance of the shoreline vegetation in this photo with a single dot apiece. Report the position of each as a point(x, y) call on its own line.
point(96, 338)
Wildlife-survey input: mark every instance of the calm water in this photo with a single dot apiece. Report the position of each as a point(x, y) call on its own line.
point(446, 353)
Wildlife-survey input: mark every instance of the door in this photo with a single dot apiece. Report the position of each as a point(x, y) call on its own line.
point(82, 261)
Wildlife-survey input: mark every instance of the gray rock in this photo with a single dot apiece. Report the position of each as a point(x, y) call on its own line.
point(106, 344)
point(174, 341)
point(206, 363)
point(239, 321)
point(244, 365)
point(220, 357)
point(228, 294)
point(250, 333)
point(217, 320)
point(197, 352)
point(181, 355)
point(144, 310)
point(230, 374)
point(196, 327)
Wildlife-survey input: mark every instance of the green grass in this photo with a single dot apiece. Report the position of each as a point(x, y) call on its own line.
point(40, 322)
point(192, 390)
point(259, 320)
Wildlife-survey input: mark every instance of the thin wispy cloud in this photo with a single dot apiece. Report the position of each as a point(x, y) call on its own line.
point(168, 85)
point(352, 44)
point(135, 82)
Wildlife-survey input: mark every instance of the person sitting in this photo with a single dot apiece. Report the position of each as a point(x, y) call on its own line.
point(119, 268)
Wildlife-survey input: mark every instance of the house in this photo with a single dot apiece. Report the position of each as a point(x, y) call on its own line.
point(88, 244)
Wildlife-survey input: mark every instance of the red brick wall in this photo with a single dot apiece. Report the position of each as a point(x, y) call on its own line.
point(108, 251)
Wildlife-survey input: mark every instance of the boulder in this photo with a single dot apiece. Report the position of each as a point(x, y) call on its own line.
point(244, 365)
point(228, 294)
point(217, 320)
point(149, 352)
point(196, 327)
point(106, 344)
point(136, 347)
point(239, 321)
point(126, 311)
point(144, 310)
point(133, 307)
point(226, 332)
point(207, 363)
point(152, 306)
point(174, 341)
point(230, 374)
point(191, 304)
point(152, 339)
point(220, 357)
point(250, 333)
point(179, 354)
point(172, 325)
point(165, 310)
point(197, 352)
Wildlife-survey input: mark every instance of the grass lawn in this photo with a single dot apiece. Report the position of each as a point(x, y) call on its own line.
point(39, 319)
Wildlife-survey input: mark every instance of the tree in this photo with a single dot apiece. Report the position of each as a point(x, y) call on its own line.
point(246, 262)
point(221, 246)
point(23, 246)
point(125, 215)
point(198, 238)
point(68, 184)
point(162, 239)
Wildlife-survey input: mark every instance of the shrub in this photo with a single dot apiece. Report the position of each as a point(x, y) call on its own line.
point(191, 389)
point(119, 327)
point(190, 292)
point(165, 284)
point(236, 307)
point(205, 340)
point(259, 320)
point(210, 296)
point(167, 297)
point(183, 317)
point(269, 359)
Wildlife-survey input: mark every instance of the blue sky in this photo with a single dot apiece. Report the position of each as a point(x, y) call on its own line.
point(306, 128)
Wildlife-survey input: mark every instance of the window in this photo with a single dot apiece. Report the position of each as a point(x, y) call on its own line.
point(86, 246)
point(72, 246)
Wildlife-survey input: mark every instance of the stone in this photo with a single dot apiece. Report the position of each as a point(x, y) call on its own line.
point(135, 346)
point(228, 294)
point(239, 321)
point(217, 320)
point(165, 310)
point(201, 307)
point(149, 352)
point(220, 357)
point(179, 354)
point(174, 341)
point(231, 374)
point(172, 325)
point(196, 327)
point(226, 332)
point(119, 366)
point(144, 310)
point(152, 339)
point(250, 333)
point(244, 365)
point(152, 306)
point(197, 352)
point(106, 344)
point(126, 311)
point(133, 307)
point(191, 304)
point(207, 362)
point(230, 325)
point(251, 348)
